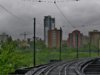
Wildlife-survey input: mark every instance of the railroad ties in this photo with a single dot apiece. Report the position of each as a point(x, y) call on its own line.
point(73, 67)
point(93, 68)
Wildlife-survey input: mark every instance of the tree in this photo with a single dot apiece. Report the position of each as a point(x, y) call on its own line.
point(9, 61)
point(9, 39)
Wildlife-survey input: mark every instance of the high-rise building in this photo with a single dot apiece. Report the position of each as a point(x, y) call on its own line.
point(49, 24)
point(54, 38)
point(74, 39)
point(94, 38)
point(85, 40)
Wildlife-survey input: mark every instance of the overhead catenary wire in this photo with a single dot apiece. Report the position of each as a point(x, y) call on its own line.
point(86, 26)
point(55, 3)
point(67, 18)
point(51, 1)
point(63, 14)
point(12, 14)
point(8, 11)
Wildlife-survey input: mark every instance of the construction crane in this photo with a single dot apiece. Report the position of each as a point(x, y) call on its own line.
point(25, 35)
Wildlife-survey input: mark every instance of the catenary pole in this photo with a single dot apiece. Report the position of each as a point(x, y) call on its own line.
point(98, 46)
point(60, 51)
point(34, 46)
point(90, 47)
point(77, 55)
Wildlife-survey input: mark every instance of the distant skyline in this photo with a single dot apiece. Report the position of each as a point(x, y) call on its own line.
point(83, 12)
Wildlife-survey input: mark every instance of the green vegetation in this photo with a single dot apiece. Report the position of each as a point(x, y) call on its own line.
point(12, 58)
point(9, 60)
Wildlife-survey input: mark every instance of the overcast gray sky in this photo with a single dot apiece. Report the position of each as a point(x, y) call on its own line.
point(83, 12)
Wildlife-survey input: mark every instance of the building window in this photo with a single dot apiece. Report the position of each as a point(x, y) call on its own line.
point(54, 39)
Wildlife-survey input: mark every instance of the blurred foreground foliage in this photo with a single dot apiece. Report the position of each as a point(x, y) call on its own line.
point(12, 57)
point(9, 60)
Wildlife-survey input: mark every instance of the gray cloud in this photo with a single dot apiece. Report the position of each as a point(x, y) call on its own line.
point(84, 12)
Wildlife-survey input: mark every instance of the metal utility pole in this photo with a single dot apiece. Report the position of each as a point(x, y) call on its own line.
point(90, 47)
point(60, 51)
point(98, 46)
point(34, 46)
point(77, 55)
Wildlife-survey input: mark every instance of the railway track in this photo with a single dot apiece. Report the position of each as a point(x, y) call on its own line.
point(63, 68)
point(74, 67)
point(93, 68)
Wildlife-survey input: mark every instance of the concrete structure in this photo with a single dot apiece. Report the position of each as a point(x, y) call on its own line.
point(94, 37)
point(73, 38)
point(49, 24)
point(54, 38)
point(85, 40)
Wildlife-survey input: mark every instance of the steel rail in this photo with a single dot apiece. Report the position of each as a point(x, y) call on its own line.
point(73, 67)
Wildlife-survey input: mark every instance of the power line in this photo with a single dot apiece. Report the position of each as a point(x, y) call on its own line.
point(8, 11)
point(55, 2)
point(63, 15)
point(84, 26)
point(51, 1)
